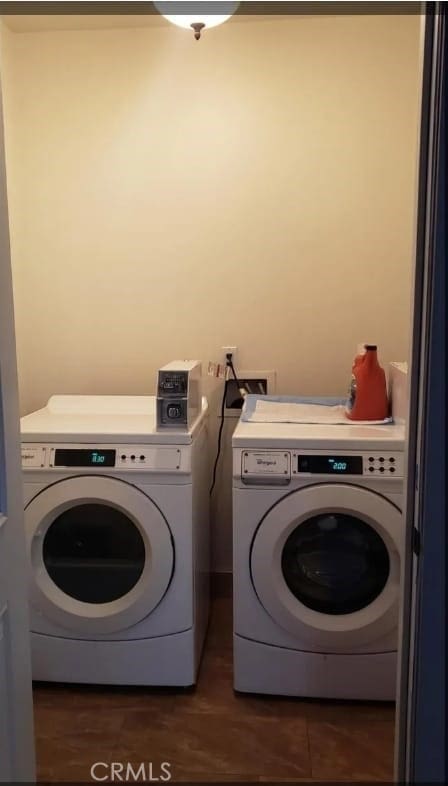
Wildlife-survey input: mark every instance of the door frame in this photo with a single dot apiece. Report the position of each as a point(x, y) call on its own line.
point(420, 749)
point(17, 760)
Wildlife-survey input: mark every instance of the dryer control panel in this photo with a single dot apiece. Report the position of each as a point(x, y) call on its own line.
point(348, 463)
point(276, 467)
point(106, 458)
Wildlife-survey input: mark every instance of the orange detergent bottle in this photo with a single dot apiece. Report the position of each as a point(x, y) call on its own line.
point(368, 390)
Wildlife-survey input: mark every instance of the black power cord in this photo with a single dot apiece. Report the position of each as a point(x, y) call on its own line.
point(221, 426)
point(232, 369)
point(229, 364)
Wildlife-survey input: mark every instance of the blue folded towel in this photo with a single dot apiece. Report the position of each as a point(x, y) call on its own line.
point(249, 412)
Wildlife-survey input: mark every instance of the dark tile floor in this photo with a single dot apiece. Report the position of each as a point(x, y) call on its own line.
point(210, 734)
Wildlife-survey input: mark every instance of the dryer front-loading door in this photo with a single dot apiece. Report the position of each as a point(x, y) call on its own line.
point(100, 552)
point(325, 564)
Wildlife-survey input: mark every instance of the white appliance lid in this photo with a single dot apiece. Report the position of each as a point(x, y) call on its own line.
point(103, 419)
point(318, 436)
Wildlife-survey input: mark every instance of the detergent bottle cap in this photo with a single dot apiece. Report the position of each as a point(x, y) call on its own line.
point(371, 347)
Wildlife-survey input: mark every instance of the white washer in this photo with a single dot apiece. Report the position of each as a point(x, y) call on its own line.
point(117, 528)
point(318, 541)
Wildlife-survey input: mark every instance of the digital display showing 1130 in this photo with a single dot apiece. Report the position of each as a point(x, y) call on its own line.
point(330, 465)
point(81, 457)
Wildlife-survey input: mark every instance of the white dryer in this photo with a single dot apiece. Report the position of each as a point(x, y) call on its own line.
point(117, 528)
point(318, 539)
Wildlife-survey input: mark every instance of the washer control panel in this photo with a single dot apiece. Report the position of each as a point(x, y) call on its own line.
point(106, 458)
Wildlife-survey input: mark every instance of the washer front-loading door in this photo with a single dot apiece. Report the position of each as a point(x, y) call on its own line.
point(325, 564)
point(101, 554)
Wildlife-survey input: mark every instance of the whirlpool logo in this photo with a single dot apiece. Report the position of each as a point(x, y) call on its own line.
point(145, 772)
point(266, 462)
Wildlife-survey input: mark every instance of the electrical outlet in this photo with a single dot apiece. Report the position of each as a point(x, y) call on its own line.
point(258, 382)
point(232, 351)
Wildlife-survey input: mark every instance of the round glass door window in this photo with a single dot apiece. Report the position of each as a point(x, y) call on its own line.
point(94, 553)
point(335, 563)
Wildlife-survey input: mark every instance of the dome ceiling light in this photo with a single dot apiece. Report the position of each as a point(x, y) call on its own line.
point(197, 16)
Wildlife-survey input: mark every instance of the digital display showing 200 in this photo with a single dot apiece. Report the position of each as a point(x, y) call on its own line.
point(330, 465)
point(80, 457)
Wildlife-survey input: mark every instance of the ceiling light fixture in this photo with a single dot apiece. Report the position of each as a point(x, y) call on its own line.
point(196, 15)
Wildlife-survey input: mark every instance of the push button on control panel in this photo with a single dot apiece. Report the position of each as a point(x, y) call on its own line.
point(174, 411)
point(128, 458)
point(380, 464)
point(153, 459)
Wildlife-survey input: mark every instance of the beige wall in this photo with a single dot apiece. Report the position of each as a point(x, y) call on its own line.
point(169, 197)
